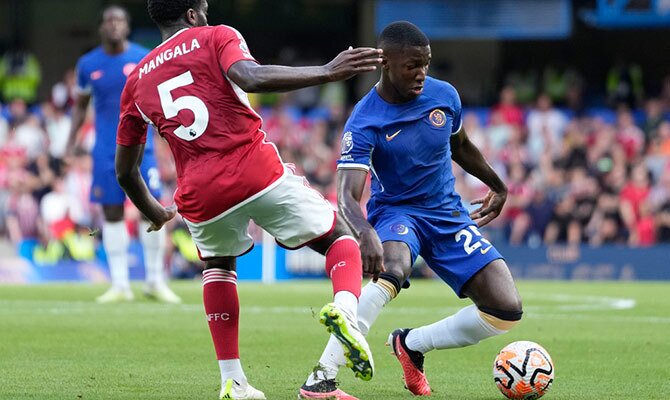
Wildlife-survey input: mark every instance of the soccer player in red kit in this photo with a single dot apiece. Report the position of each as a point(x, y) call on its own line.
point(192, 87)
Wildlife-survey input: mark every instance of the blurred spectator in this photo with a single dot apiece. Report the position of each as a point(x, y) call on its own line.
point(564, 86)
point(625, 84)
point(545, 128)
point(633, 207)
point(25, 130)
point(20, 75)
point(63, 93)
point(606, 225)
point(77, 183)
point(507, 108)
point(499, 131)
point(22, 211)
point(660, 145)
point(530, 225)
point(58, 210)
point(525, 84)
point(653, 117)
point(42, 173)
point(629, 135)
point(57, 122)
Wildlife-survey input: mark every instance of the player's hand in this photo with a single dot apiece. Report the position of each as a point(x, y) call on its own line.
point(353, 61)
point(372, 253)
point(166, 216)
point(492, 205)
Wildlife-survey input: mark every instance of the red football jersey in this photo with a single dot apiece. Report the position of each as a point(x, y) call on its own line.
point(220, 152)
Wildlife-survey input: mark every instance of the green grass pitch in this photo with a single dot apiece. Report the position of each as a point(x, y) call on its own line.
point(608, 341)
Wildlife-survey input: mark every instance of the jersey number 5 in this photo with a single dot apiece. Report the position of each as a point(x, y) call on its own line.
point(468, 245)
point(172, 106)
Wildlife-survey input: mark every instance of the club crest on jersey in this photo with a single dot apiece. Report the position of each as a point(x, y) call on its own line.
point(128, 68)
point(347, 142)
point(400, 229)
point(437, 118)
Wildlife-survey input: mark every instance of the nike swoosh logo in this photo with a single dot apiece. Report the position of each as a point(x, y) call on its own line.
point(484, 251)
point(390, 137)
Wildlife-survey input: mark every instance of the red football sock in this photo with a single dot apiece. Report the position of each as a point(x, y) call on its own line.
point(344, 265)
point(222, 307)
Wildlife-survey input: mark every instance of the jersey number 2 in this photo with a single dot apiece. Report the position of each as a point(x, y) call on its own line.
point(468, 244)
point(172, 106)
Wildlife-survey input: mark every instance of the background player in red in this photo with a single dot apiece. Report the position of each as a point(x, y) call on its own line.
point(193, 88)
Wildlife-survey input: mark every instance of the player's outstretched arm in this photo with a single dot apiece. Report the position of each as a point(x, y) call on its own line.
point(350, 185)
point(468, 156)
point(127, 164)
point(252, 77)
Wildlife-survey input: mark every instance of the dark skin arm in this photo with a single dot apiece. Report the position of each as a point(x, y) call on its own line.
point(128, 160)
point(78, 117)
point(255, 78)
point(350, 185)
point(468, 156)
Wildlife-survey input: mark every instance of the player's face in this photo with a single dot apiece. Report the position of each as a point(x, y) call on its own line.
point(115, 27)
point(407, 69)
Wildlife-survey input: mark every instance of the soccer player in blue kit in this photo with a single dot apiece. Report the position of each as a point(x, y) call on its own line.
point(101, 74)
point(405, 132)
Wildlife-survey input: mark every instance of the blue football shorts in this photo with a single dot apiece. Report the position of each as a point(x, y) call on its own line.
point(105, 188)
point(451, 244)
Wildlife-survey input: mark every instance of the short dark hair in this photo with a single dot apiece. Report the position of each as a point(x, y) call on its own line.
point(402, 34)
point(167, 12)
point(114, 7)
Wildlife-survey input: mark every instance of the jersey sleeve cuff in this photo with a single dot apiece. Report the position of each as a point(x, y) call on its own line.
point(129, 143)
point(353, 166)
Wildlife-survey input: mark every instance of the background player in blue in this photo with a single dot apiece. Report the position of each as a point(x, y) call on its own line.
point(101, 74)
point(406, 131)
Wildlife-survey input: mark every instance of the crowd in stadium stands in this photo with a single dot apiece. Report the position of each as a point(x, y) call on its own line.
point(595, 176)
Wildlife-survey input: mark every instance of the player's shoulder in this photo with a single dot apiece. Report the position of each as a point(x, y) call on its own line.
point(226, 30)
point(90, 57)
point(439, 87)
point(137, 49)
point(440, 93)
point(363, 113)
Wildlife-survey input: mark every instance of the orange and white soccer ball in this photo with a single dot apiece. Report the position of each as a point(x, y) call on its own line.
point(523, 370)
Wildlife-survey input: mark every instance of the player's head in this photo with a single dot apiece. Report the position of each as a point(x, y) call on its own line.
point(115, 25)
point(175, 13)
point(406, 58)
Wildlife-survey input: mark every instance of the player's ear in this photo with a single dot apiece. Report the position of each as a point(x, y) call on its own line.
point(385, 62)
point(192, 17)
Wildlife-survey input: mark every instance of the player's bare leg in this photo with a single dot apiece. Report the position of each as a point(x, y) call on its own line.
point(153, 249)
point(115, 241)
point(496, 310)
point(374, 296)
point(222, 307)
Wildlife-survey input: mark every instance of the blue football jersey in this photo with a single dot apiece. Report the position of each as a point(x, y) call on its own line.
point(407, 148)
point(103, 76)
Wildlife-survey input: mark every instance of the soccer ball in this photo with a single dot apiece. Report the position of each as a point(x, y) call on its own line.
point(523, 370)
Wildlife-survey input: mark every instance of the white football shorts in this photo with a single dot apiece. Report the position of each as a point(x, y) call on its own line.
point(291, 211)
